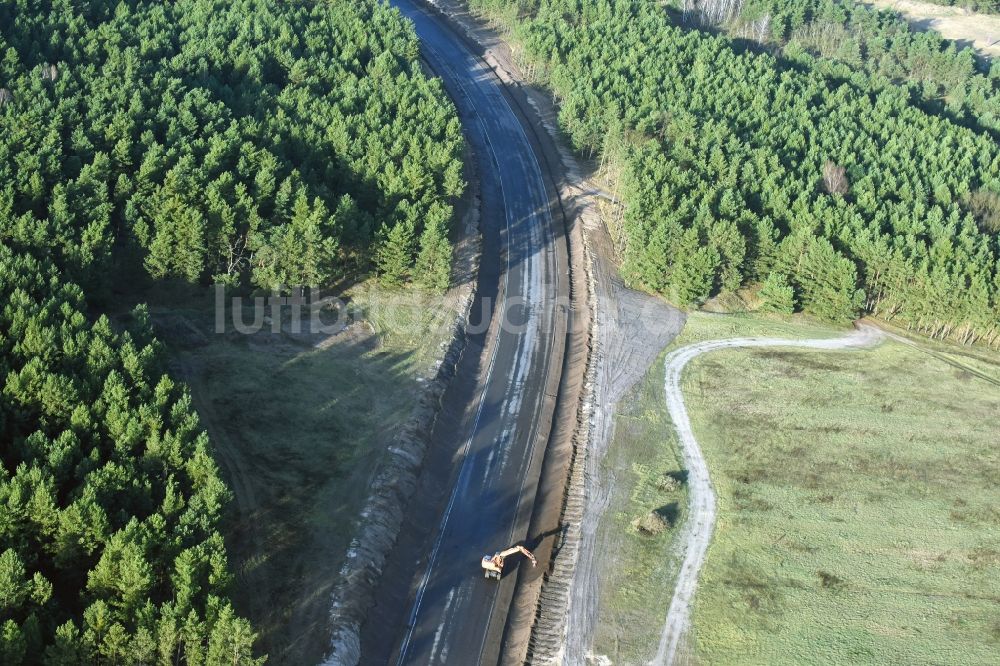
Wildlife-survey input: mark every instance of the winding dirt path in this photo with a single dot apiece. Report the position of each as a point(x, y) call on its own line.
point(696, 532)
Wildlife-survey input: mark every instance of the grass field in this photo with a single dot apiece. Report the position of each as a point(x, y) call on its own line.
point(857, 497)
point(299, 423)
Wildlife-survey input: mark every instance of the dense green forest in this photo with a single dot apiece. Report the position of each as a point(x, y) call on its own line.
point(109, 497)
point(257, 142)
point(737, 167)
point(275, 141)
point(871, 49)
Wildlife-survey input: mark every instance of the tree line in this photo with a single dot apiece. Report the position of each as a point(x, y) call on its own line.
point(257, 142)
point(737, 168)
point(870, 49)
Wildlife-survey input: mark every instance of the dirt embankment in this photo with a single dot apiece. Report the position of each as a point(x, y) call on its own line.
point(301, 423)
point(395, 479)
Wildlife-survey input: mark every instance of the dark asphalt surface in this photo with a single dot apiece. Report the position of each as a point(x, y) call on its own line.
point(451, 613)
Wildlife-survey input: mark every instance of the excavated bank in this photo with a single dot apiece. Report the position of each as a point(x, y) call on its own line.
point(631, 330)
point(396, 477)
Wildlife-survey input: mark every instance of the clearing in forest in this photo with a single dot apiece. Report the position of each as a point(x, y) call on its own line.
point(854, 514)
point(299, 423)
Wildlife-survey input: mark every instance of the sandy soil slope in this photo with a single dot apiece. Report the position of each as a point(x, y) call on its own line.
point(697, 531)
point(631, 330)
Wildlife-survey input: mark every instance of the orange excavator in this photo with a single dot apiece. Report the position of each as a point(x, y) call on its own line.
point(493, 564)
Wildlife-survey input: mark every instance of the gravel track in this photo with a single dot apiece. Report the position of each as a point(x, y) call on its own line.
point(696, 533)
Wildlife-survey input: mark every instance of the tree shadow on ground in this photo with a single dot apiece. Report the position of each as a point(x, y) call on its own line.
point(298, 432)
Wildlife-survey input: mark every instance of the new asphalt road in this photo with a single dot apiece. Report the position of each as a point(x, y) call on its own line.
point(448, 612)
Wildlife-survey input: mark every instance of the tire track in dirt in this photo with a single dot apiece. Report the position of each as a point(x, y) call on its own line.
point(696, 533)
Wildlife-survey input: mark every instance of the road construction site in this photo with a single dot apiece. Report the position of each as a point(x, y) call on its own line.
point(539, 457)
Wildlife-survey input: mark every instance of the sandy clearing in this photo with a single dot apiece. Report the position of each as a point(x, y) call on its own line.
point(696, 533)
point(981, 30)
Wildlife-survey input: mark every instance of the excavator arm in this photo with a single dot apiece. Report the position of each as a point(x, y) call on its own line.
point(513, 549)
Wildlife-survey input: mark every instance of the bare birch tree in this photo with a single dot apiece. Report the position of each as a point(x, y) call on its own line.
point(835, 178)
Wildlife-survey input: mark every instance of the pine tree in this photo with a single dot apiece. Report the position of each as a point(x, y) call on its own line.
point(433, 267)
point(394, 255)
point(647, 259)
point(777, 295)
point(693, 270)
point(178, 246)
point(13, 646)
point(827, 282)
point(230, 642)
